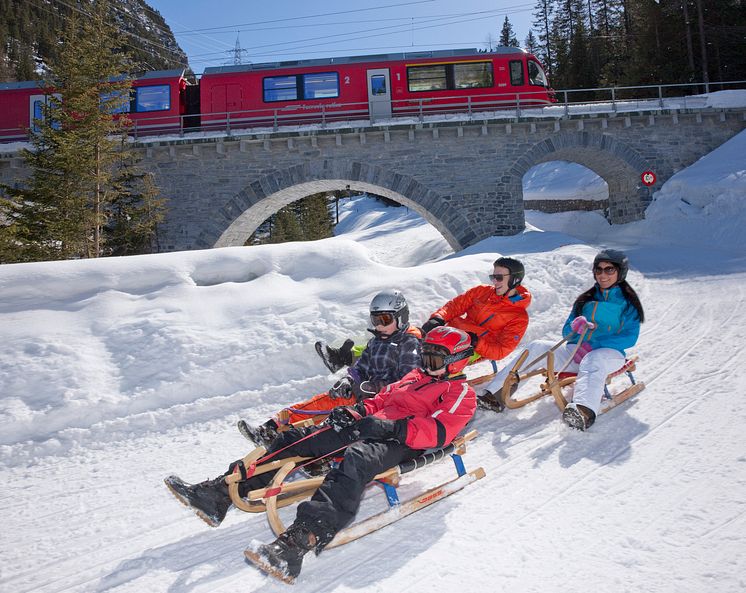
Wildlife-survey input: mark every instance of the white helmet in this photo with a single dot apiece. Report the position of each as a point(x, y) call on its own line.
point(393, 302)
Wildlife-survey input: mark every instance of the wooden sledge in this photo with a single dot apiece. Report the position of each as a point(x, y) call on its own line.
point(555, 381)
point(280, 493)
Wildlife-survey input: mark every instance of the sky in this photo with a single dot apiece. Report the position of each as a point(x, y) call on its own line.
point(292, 29)
point(116, 373)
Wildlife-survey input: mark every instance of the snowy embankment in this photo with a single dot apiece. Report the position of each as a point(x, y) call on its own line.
point(116, 373)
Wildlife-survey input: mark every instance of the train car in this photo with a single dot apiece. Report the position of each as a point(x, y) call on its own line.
point(20, 103)
point(157, 105)
point(371, 87)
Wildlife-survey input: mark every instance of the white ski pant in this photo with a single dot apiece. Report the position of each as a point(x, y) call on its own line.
point(592, 370)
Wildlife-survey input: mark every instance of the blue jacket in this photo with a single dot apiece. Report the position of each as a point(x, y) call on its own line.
point(616, 319)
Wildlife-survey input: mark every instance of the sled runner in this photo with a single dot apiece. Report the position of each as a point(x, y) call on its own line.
point(281, 493)
point(555, 381)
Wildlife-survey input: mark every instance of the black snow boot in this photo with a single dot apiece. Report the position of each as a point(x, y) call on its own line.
point(261, 435)
point(490, 401)
point(578, 416)
point(335, 358)
point(283, 558)
point(209, 499)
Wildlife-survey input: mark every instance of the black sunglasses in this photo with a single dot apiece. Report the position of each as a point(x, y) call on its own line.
point(499, 277)
point(608, 270)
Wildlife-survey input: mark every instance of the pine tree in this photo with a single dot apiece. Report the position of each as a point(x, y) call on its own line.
point(135, 212)
point(507, 37)
point(80, 162)
point(543, 14)
point(531, 43)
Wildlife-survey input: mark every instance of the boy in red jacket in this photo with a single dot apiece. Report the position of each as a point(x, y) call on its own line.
point(425, 409)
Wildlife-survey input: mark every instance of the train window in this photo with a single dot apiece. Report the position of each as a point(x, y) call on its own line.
point(321, 85)
point(281, 88)
point(116, 102)
point(472, 76)
point(378, 84)
point(152, 98)
point(516, 73)
point(536, 75)
point(427, 78)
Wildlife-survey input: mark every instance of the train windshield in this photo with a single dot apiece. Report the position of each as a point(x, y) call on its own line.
point(536, 75)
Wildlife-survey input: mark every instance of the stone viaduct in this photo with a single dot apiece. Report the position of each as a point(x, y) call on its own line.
point(464, 177)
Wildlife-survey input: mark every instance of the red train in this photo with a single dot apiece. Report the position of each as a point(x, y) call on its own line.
point(313, 91)
point(157, 104)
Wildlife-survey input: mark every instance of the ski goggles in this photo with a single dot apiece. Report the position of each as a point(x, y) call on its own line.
point(382, 318)
point(434, 358)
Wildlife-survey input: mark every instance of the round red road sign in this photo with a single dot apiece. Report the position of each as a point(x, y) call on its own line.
point(648, 178)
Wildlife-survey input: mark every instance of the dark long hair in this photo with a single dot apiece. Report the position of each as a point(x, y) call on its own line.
point(629, 293)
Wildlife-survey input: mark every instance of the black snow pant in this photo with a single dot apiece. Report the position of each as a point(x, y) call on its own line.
point(334, 504)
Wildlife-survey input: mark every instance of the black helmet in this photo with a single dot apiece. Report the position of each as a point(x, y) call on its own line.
point(613, 256)
point(516, 269)
point(391, 301)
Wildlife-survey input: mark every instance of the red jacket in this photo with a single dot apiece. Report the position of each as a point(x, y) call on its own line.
point(436, 409)
point(498, 321)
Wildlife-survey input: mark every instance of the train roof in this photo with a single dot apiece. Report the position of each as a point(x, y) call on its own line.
point(161, 74)
point(24, 84)
point(31, 84)
point(443, 53)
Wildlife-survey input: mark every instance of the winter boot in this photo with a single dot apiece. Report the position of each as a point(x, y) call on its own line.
point(578, 416)
point(491, 401)
point(261, 435)
point(335, 358)
point(283, 558)
point(209, 499)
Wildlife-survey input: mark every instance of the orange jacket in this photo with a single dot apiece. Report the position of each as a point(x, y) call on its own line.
point(498, 321)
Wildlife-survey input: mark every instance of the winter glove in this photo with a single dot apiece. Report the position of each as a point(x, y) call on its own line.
point(431, 323)
point(341, 417)
point(582, 350)
point(342, 388)
point(474, 339)
point(365, 390)
point(379, 429)
point(581, 324)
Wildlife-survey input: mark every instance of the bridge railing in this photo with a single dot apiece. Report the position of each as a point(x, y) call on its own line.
point(567, 103)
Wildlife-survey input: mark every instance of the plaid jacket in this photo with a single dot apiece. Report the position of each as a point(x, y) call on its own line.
point(387, 360)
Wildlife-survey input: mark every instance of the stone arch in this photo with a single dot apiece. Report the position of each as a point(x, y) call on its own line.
point(263, 196)
point(617, 163)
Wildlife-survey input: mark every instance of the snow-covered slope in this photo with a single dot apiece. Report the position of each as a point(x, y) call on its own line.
point(116, 373)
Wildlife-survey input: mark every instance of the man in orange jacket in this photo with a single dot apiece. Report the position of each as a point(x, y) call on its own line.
point(494, 316)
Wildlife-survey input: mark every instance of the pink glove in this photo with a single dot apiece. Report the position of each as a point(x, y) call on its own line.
point(580, 324)
point(584, 349)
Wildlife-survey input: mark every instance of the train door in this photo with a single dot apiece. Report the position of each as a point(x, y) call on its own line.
point(379, 93)
point(38, 110)
point(226, 98)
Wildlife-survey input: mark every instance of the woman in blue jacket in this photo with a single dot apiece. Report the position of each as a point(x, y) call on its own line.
point(610, 314)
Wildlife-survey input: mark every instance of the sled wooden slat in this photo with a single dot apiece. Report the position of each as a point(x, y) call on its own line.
point(233, 479)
